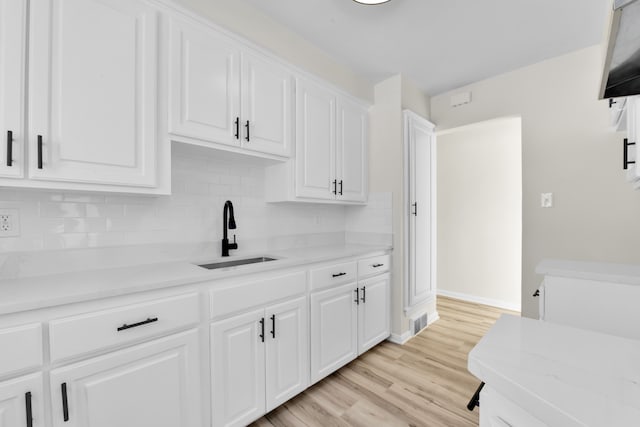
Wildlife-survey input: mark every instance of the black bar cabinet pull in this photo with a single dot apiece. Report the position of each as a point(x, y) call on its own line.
point(475, 399)
point(625, 153)
point(237, 128)
point(377, 265)
point(262, 329)
point(357, 300)
point(335, 186)
point(135, 325)
point(339, 274)
point(273, 326)
point(415, 208)
point(27, 404)
point(364, 294)
point(9, 148)
point(341, 187)
point(248, 138)
point(39, 151)
point(65, 402)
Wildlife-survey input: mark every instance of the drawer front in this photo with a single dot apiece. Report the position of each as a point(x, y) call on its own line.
point(498, 411)
point(374, 265)
point(20, 348)
point(77, 335)
point(238, 297)
point(335, 274)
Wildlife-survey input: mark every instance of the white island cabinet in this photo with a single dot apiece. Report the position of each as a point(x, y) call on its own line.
point(540, 374)
point(602, 297)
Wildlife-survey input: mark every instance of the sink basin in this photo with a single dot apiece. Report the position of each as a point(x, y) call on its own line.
point(236, 262)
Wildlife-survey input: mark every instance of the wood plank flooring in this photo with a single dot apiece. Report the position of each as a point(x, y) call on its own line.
point(422, 383)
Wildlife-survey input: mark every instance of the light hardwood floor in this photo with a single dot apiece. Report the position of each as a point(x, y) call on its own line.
point(422, 383)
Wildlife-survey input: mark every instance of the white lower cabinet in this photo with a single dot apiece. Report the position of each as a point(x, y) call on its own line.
point(334, 329)
point(498, 411)
point(259, 360)
point(374, 312)
point(21, 402)
point(153, 384)
point(347, 321)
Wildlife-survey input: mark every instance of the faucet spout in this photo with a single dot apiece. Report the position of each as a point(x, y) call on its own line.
point(230, 222)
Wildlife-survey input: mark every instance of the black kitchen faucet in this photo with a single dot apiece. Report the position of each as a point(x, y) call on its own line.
point(231, 223)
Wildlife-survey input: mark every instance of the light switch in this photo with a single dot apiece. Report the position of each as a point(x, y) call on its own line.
point(546, 200)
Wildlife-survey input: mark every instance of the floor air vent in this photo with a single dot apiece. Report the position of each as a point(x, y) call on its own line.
point(419, 323)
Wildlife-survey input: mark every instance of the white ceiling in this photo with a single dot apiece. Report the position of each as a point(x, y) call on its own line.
point(442, 44)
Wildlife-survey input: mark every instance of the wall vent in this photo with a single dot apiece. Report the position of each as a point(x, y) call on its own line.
point(418, 323)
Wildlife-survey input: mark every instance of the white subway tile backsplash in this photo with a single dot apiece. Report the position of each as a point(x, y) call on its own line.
point(193, 213)
point(62, 210)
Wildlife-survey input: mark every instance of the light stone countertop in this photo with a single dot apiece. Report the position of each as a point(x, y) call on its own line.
point(563, 376)
point(598, 271)
point(31, 293)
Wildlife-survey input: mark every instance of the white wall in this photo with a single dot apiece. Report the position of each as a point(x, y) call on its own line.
point(244, 20)
point(567, 149)
point(386, 174)
point(480, 212)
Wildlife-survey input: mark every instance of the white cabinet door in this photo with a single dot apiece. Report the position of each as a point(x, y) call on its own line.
point(237, 369)
point(22, 400)
point(334, 330)
point(92, 91)
point(13, 36)
point(351, 153)
point(204, 84)
point(374, 317)
point(267, 112)
point(315, 141)
point(287, 351)
point(419, 139)
point(156, 384)
point(633, 151)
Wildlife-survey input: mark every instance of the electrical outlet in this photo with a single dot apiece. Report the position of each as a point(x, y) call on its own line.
point(9, 223)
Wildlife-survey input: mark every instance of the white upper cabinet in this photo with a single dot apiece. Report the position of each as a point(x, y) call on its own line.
point(204, 98)
point(267, 105)
point(315, 141)
point(351, 152)
point(331, 163)
point(93, 91)
point(13, 20)
point(224, 93)
point(631, 145)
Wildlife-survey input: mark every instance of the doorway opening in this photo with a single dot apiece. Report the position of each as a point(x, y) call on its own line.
point(479, 211)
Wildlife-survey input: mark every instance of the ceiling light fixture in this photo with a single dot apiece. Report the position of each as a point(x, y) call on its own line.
point(371, 1)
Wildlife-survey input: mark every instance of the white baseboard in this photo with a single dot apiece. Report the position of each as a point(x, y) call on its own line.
point(434, 317)
point(480, 300)
point(400, 339)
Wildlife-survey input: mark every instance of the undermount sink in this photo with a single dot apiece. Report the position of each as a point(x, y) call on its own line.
point(236, 262)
